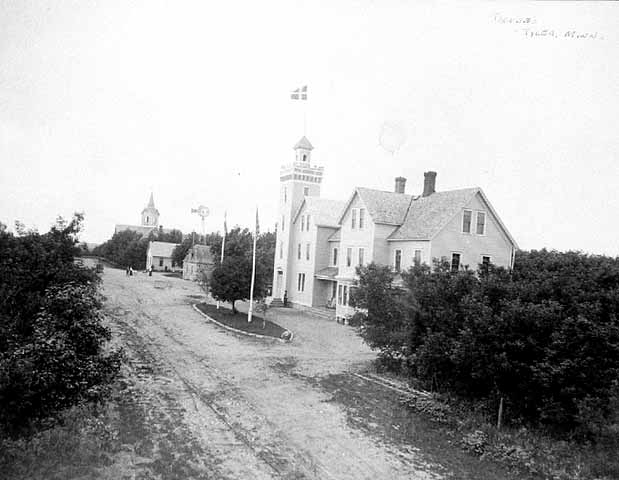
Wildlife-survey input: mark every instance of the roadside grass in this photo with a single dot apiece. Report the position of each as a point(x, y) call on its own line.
point(527, 451)
point(239, 321)
point(77, 445)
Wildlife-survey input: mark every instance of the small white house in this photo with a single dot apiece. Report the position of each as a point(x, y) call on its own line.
point(159, 256)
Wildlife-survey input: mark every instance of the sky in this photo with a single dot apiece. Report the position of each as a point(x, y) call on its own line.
point(102, 102)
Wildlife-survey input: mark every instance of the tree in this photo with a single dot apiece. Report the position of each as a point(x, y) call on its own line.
point(543, 336)
point(126, 248)
point(51, 332)
point(231, 280)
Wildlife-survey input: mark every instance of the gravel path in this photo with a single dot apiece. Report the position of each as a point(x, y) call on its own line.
point(214, 404)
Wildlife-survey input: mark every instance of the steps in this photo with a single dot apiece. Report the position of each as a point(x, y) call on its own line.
point(276, 303)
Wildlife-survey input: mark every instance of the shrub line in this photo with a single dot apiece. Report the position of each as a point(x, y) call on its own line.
point(236, 330)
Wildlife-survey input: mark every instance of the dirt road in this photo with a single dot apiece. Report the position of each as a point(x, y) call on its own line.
point(207, 403)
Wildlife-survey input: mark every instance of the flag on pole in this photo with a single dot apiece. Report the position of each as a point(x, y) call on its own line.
point(299, 93)
point(253, 272)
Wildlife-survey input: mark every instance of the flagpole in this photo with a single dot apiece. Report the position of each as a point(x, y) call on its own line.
point(253, 273)
point(223, 245)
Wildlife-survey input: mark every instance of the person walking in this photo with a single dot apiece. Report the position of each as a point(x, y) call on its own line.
point(150, 271)
point(131, 271)
point(127, 270)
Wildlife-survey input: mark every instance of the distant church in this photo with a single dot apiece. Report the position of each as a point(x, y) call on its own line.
point(150, 221)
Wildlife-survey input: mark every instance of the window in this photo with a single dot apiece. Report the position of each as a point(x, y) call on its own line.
point(339, 294)
point(281, 250)
point(398, 260)
point(417, 257)
point(304, 157)
point(307, 251)
point(146, 218)
point(361, 218)
point(283, 222)
point(455, 262)
point(285, 195)
point(353, 222)
point(302, 222)
point(306, 191)
point(485, 262)
point(466, 221)
point(335, 256)
point(361, 252)
point(299, 251)
point(301, 282)
point(345, 295)
point(161, 262)
point(348, 257)
point(481, 223)
point(307, 218)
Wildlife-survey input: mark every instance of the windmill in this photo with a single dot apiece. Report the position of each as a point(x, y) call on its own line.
point(202, 212)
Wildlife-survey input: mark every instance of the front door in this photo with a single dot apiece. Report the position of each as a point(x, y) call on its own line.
point(278, 290)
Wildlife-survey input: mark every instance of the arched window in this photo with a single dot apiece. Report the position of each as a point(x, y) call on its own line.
point(304, 157)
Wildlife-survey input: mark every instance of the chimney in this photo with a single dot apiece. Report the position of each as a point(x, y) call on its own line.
point(400, 184)
point(429, 183)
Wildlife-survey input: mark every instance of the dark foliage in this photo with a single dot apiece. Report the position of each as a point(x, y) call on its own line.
point(544, 336)
point(231, 280)
point(51, 334)
point(125, 249)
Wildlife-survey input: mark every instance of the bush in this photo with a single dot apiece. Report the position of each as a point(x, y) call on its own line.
point(544, 336)
point(51, 333)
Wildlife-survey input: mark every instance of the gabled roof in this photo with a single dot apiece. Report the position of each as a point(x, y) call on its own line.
point(162, 249)
point(304, 143)
point(199, 254)
point(324, 212)
point(383, 207)
point(427, 216)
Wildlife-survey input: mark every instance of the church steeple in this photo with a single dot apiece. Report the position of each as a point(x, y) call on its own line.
point(150, 215)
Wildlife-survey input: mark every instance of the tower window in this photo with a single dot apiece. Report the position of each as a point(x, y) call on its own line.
point(146, 218)
point(304, 157)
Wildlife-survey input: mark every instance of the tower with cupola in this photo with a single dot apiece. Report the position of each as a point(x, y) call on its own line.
point(297, 180)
